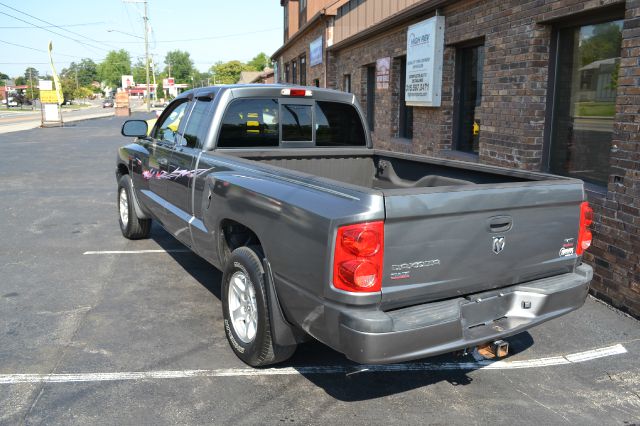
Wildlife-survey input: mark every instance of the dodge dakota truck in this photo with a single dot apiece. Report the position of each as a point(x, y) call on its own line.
point(384, 257)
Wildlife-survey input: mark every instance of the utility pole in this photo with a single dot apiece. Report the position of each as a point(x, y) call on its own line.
point(146, 52)
point(145, 18)
point(31, 86)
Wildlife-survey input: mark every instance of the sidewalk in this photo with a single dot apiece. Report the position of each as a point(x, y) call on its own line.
point(36, 122)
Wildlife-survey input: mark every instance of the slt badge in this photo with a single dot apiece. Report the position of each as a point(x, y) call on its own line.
point(498, 244)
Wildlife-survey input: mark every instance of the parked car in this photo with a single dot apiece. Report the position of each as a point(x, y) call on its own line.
point(107, 103)
point(159, 103)
point(383, 256)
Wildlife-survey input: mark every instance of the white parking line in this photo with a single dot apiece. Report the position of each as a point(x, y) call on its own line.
point(138, 251)
point(333, 369)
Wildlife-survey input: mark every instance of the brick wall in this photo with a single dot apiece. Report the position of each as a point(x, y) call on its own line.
point(300, 47)
point(513, 112)
point(616, 251)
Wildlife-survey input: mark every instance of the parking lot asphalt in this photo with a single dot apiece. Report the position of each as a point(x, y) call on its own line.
point(136, 336)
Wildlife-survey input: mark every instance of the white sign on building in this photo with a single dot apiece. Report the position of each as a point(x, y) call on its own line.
point(45, 84)
point(425, 50)
point(315, 52)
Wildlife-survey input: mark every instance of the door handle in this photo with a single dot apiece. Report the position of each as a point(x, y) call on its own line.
point(500, 223)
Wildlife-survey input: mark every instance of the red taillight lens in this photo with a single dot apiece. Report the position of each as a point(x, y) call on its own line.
point(361, 242)
point(584, 234)
point(357, 261)
point(362, 273)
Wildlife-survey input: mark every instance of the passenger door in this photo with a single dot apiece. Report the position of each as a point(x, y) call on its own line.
point(163, 140)
point(182, 169)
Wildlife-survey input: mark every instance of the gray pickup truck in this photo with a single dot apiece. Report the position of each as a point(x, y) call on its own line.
point(382, 256)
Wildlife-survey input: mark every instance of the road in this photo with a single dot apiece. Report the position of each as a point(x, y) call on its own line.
point(13, 120)
point(98, 329)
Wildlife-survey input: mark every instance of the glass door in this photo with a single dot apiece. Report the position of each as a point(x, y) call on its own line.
point(468, 90)
point(587, 65)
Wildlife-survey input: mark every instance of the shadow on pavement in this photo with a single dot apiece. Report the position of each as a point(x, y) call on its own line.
point(356, 385)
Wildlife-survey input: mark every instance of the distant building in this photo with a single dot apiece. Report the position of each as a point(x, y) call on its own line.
point(547, 85)
point(264, 77)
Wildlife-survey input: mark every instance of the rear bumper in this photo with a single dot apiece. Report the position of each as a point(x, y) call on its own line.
point(435, 328)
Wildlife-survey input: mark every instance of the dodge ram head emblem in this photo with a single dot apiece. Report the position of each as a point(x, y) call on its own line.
point(498, 244)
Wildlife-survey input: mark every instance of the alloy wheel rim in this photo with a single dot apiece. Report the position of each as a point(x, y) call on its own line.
point(243, 308)
point(124, 207)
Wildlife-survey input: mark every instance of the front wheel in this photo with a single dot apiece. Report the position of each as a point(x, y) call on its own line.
point(131, 225)
point(246, 310)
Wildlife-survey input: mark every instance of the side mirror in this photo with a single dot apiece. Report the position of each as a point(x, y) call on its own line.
point(135, 128)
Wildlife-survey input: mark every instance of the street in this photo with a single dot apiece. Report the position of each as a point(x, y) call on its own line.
point(12, 120)
point(95, 328)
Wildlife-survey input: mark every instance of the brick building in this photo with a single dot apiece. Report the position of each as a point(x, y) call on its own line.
point(550, 85)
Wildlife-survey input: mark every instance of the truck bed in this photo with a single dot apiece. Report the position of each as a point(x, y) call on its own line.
point(442, 217)
point(385, 170)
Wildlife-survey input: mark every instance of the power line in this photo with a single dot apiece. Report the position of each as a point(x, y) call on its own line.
point(51, 31)
point(37, 50)
point(47, 22)
point(58, 26)
point(205, 38)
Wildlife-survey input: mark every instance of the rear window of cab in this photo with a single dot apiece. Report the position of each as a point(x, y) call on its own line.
point(263, 123)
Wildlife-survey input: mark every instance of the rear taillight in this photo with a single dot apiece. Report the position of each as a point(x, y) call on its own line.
point(357, 261)
point(584, 234)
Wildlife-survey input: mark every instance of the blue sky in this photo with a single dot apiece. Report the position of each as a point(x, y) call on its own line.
point(235, 30)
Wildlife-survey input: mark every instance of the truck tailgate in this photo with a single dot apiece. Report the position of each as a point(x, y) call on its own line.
point(454, 241)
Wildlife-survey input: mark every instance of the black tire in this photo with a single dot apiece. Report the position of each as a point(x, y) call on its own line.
point(133, 227)
point(261, 350)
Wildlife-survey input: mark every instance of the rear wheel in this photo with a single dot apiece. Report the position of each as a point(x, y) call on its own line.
point(246, 310)
point(131, 225)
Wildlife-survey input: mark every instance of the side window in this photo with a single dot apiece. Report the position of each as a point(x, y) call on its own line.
point(168, 128)
point(338, 124)
point(192, 132)
point(250, 123)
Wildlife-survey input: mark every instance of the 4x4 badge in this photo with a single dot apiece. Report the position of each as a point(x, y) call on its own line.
point(498, 244)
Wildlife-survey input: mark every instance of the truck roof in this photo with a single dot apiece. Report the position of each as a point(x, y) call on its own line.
point(267, 90)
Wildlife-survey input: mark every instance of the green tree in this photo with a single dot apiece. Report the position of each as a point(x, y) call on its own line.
point(115, 65)
point(201, 78)
point(20, 81)
point(604, 43)
point(260, 61)
point(87, 72)
point(4, 76)
point(83, 73)
point(139, 72)
point(82, 93)
point(31, 74)
point(229, 72)
point(179, 66)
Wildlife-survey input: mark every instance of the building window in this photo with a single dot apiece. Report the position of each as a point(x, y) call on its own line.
point(294, 72)
point(405, 113)
point(303, 70)
point(286, 73)
point(286, 21)
point(303, 12)
point(586, 80)
point(468, 93)
point(371, 96)
point(346, 85)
